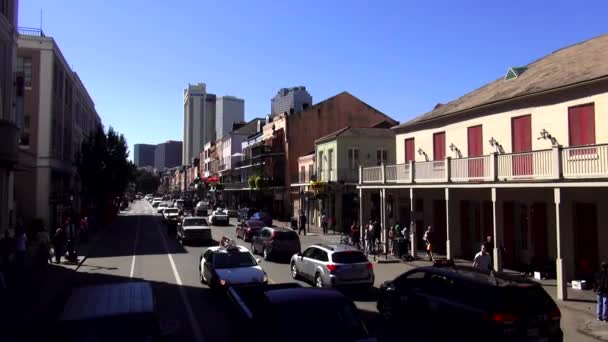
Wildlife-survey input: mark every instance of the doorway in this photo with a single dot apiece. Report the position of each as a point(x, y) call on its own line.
point(584, 223)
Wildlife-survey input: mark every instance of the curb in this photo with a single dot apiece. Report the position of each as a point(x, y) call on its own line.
point(583, 329)
point(383, 261)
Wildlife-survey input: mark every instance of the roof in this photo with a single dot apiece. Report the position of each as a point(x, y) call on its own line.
point(581, 62)
point(336, 247)
point(225, 250)
point(109, 300)
point(358, 132)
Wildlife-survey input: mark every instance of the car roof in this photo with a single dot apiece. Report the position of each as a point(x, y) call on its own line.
point(220, 249)
point(280, 229)
point(334, 248)
point(98, 301)
point(469, 274)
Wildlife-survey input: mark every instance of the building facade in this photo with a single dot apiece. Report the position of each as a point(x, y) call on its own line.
point(58, 114)
point(168, 155)
point(228, 110)
point(10, 122)
point(522, 159)
point(199, 120)
point(144, 155)
point(287, 100)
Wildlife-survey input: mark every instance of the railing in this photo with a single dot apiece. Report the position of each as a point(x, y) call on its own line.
point(31, 31)
point(531, 165)
point(372, 174)
point(236, 185)
point(472, 169)
point(348, 175)
point(431, 171)
point(585, 161)
point(399, 173)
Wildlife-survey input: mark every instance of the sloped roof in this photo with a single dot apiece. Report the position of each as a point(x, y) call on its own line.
point(584, 61)
point(358, 132)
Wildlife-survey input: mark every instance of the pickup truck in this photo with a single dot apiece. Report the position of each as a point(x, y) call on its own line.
point(286, 304)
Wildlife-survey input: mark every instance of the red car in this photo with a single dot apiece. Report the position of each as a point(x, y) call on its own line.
point(248, 229)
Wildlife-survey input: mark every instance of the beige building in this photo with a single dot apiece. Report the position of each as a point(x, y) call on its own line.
point(199, 121)
point(9, 121)
point(523, 159)
point(58, 114)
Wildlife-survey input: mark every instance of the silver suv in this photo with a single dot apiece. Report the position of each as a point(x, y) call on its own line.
point(333, 265)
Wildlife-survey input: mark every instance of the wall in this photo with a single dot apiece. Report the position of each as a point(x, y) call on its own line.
point(323, 167)
point(367, 146)
point(548, 112)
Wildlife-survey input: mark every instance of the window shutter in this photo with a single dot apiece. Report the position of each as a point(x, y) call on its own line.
point(439, 146)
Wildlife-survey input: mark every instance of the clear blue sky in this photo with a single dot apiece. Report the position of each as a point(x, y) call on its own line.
point(402, 57)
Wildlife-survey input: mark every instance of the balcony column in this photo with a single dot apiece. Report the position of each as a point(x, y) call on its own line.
point(497, 232)
point(448, 216)
point(560, 265)
point(448, 169)
point(557, 161)
point(360, 174)
point(494, 166)
point(413, 223)
point(361, 208)
point(412, 171)
point(383, 173)
point(383, 217)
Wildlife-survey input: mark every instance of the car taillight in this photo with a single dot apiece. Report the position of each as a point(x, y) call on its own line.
point(370, 266)
point(555, 314)
point(502, 318)
point(273, 236)
point(332, 267)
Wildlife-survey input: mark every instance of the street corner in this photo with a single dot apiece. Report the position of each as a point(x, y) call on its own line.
point(594, 328)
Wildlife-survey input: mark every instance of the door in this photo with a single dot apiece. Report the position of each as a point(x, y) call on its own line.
point(439, 225)
point(538, 215)
point(521, 137)
point(420, 228)
point(584, 221)
point(208, 256)
point(410, 150)
point(508, 233)
point(305, 266)
point(475, 149)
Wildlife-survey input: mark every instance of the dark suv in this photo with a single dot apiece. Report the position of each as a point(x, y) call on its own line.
point(273, 241)
point(467, 303)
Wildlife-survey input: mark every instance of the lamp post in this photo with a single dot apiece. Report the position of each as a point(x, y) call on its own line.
point(72, 255)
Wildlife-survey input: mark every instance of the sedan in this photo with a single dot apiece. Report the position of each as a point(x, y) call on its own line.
point(218, 217)
point(221, 267)
point(248, 229)
point(193, 228)
point(161, 207)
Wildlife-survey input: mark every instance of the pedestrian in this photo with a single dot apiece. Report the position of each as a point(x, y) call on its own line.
point(44, 242)
point(600, 286)
point(302, 223)
point(428, 240)
point(377, 231)
point(407, 236)
point(59, 243)
point(481, 262)
point(369, 237)
point(324, 223)
point(391, 238)
point(355, 234)
point(489, 247)
point(20, 249)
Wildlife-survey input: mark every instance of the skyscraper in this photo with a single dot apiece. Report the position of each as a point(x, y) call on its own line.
point(199, 120)
point(144, 155)
point(296, 98)
point(167, 155)
point(228, 109)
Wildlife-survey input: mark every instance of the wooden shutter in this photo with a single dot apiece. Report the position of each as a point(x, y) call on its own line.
point(410, 150)
point(475, 149)
point(439, 146)
point(521, 138)
point(581, 125)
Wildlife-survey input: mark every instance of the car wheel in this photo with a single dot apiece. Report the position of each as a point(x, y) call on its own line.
point(318, 281)
point(266, 254)
point(294, 271)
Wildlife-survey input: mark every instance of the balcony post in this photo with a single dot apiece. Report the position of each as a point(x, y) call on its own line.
point(557, 161)
point(560, 264)
point(413, 224)
point(494, 166)
point(360, 174)
point(383, 173)
point(412, 171)
point(448, 169)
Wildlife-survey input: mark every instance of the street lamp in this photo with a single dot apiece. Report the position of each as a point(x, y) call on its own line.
point(72, 255)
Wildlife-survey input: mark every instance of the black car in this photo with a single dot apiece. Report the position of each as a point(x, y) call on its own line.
point(471, 304)
point(274, 241)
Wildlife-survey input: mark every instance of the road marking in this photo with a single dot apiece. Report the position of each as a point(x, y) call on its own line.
point(135, 248)
point(196, 330)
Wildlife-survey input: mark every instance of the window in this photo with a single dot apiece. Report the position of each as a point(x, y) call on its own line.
point(410, 150)
point(353, 158)
point(330, 159)
point(581, 128)
point(310, 171)
point(302, 174)
point(381, 156)
point(309, 253)
point(24, 69)
point(320, 162)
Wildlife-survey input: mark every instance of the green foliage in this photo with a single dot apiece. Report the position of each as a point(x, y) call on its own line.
point(146, 182)
point(251, 181)
point(259, 182)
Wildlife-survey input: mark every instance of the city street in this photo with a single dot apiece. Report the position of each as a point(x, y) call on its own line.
point(137, 248)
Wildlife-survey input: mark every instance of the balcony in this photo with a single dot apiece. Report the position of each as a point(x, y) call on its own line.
point(555, 164)
point(31, 31)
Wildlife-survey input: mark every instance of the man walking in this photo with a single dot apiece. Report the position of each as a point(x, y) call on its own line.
point(302, 223)
point(59, 243)
point(481, 262)
point(600, 287)
point(428, 240)
point(324, 223)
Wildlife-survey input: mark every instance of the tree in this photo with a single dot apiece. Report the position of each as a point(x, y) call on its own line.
point(146, 182)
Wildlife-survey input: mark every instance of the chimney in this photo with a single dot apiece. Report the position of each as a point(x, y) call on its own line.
point(438, 105)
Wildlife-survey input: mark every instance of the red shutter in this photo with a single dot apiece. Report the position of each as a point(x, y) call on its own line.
point(581, 125)
point(409, 150)
point(439, 146)
point(475, 149)
point(521, 139)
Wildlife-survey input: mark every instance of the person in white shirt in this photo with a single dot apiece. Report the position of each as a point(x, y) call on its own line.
point(482, 260)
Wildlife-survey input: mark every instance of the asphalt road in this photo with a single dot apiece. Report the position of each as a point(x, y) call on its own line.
point(138, 248)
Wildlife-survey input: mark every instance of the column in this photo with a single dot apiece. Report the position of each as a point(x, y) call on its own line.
point(413, 223)
point(448, 243)
point(560, 266)
point(361, 217)
point(383, 217)
point(497, 233)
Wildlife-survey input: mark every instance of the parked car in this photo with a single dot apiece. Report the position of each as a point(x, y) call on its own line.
point(333, 265)
point(193, 228)
point(248, 229)
point(473, 305)
point(131, 317)
point(229, 265)
point(270, 313)
point(218, 217)
point(274, 241)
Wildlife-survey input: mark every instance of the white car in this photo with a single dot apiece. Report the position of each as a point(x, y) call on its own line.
point(170, 214)
point(161, 206)
point(218, 217)
point(193, 228)
point(222, 266)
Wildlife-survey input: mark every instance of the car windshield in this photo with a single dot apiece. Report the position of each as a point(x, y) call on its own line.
point(195, 222)
point(255, 224)
point(171, 211)
point(233, 260)
point(349, 257)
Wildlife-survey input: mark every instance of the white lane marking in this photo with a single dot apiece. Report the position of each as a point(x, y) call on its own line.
point(196, 330)
point(135, 248)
